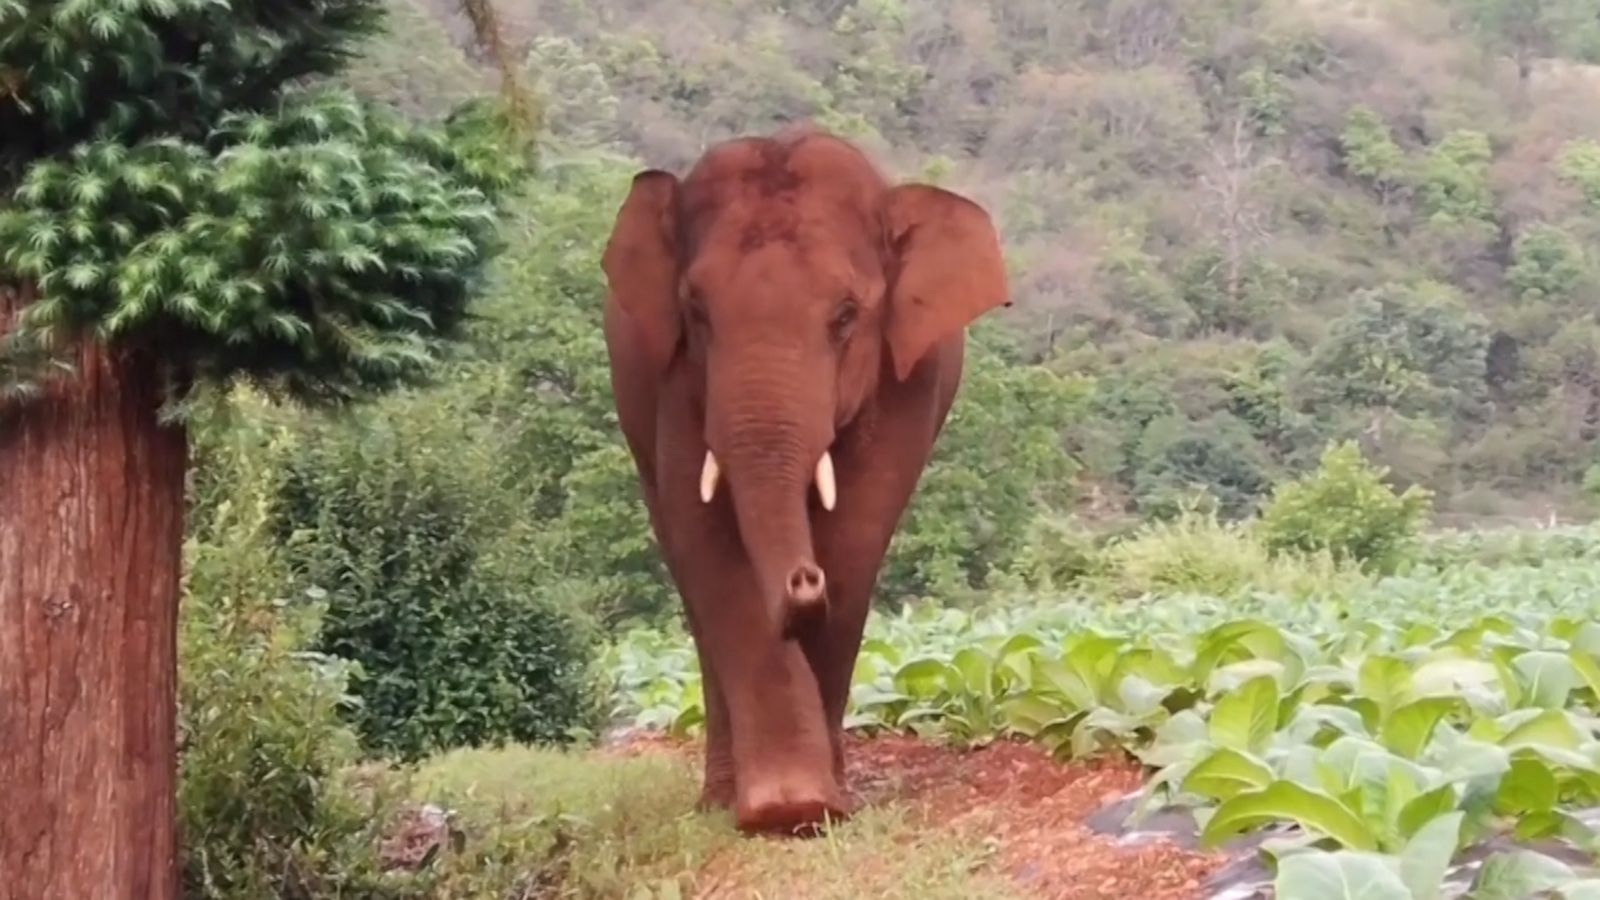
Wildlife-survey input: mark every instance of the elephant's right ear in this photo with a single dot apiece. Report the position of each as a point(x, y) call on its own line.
point(641, 264)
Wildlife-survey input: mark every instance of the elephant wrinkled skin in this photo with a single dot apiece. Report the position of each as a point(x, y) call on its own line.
point(786, 333)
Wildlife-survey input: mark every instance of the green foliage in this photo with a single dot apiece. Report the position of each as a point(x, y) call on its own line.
point(1580, 164)
point(1371, 153)
point(998, 466)
point(264, 806)
point(1217, 457)
point(1526, 30)
point(118, 72)
point(1410, 349)
point(1550, 267)
point(1346, 509)
point(205, 201)
point(1453, 185)
point(1197, 554)
point(413, 66)
point(397, 521)
point(542, 360)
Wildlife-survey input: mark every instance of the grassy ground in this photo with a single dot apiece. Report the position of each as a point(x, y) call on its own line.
point(545, 823)
point(1005, 822)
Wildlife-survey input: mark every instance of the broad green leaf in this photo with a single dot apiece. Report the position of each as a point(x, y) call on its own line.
point(1584, 636)
point(1341, 875)
point(1530, 787)
point(1408, 728)
point(1177, 739)
point(1448, 677)
point(1510, 681)
point(1549, 728)
point(1246, 719)
point(1091, 658)
point(1317, 719)
point(1518, 875)
point(1227, 773)
point(1426, 856)
point(1028, 714)
point(1057, 734)
point(1386, 681)
point(1424, 808)
point(1229, 678)
point(1283, 801)
point(1064, 679)
point(882, 649)
point(1232, 641)
point(1588, 670)
point(976, 669)
point(1547, 678)
point(925, 678)
point(1585, 889)
point(1138, 697)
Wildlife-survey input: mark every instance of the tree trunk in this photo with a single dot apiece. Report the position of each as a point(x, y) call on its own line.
point(91, 540)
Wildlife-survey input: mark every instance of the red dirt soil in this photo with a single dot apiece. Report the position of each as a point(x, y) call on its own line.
point(1033, 808)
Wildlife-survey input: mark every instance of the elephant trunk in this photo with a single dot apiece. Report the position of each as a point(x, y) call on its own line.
point(773, 456)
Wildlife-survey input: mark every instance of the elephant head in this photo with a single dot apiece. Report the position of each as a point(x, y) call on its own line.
point(792, 279)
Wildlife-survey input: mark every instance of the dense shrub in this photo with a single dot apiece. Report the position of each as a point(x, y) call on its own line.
point(263, 808)
point(398, 519)
point(999, 464)
point(1345, 508)
point(1197, 554)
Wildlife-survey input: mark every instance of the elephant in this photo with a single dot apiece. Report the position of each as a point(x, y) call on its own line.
point(786, 332)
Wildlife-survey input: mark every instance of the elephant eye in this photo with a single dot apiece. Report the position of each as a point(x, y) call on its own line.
point(844, 317)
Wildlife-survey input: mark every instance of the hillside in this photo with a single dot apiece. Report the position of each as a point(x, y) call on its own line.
point(1257, 225)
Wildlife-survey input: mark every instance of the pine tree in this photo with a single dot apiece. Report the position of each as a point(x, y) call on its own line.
point(185, 200)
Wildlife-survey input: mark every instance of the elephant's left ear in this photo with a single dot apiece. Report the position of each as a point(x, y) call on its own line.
point(949, 269)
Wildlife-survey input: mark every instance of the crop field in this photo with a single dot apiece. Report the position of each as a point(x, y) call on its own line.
point(1426, 735)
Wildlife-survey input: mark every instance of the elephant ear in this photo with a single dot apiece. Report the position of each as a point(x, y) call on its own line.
point(641, 264)
point(948, 270)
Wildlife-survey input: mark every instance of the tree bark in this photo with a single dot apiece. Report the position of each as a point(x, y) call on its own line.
point(91, 541)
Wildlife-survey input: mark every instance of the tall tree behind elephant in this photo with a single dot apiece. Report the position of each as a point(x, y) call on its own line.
point(786, 333)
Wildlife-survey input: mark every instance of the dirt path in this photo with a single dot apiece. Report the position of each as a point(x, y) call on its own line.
point(1027, 809)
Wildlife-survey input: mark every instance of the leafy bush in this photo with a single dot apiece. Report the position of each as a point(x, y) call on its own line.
point(1057, 553)
point(1197, 554)
point(397, 520)
point(263, 809)
point(999, 464)
point(1218, 458)
point(1345, 508)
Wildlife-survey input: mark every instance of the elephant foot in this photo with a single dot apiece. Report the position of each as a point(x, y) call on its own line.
point(790, 807)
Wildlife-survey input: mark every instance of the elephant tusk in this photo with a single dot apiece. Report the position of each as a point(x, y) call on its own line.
point(709, 473)
point(826, 488)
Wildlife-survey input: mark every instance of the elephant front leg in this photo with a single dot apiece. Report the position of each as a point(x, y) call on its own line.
point(767, 742)
point(832, 648)
point(879, 466)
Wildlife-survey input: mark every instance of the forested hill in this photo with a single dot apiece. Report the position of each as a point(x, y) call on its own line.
point(1249, 226)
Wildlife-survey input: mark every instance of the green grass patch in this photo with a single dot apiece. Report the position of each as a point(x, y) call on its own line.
point(573, 825)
